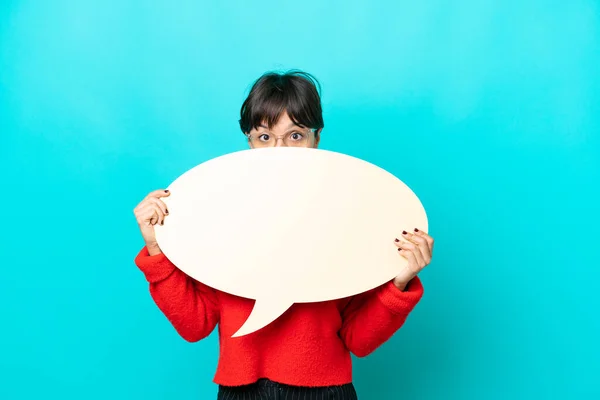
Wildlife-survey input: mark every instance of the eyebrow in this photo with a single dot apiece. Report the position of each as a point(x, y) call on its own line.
point(288, 127)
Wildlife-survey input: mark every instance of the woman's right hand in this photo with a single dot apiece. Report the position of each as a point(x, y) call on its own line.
point(151, 211)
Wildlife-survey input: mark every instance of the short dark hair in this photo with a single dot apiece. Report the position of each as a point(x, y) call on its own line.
point(294, 91)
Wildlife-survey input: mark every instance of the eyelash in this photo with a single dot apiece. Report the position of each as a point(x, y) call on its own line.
point(292, 133)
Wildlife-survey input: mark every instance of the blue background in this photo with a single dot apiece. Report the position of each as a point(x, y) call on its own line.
point(487, 109)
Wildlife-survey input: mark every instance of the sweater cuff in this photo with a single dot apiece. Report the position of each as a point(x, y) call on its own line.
point(401, 302)
point(155, 268)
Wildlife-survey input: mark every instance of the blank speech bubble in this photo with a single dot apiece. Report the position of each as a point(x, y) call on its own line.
point(288, 225)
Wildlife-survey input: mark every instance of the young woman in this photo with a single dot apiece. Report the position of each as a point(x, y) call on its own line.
point(305, 353)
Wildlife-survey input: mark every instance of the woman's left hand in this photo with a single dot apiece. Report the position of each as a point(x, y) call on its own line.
point(417, 249)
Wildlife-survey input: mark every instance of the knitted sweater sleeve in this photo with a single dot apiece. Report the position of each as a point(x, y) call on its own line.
point(190, 306)
point(371, 318)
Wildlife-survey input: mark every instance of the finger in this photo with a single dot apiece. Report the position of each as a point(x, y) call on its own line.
point(415, 251)
point(155, 194)
point(404, 239)
point(160, 204)
point(413, 264)
point(422, 245)
point(149, 215)
point(154, 219)
point(399, 242)
point(151, 200)
point(427, 238)
point(160, 215)
point(159, 193)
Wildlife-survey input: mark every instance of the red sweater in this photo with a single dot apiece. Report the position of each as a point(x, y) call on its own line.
point(309, 345)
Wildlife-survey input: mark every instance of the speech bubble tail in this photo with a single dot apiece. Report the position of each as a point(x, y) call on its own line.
point(264, 312)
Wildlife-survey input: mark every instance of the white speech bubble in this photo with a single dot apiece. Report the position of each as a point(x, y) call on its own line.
point(288, 225)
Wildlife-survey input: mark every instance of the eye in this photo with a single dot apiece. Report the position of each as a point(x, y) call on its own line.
point(297, 136)
point(264, 137)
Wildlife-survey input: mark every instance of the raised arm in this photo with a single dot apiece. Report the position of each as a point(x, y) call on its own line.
point(190, 306)
point(371, 318)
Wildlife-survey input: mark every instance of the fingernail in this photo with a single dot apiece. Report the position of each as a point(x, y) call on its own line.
point(166, 191)
point(399, 249)
point(416, 230)
point(397, 240)
point(404, 233)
